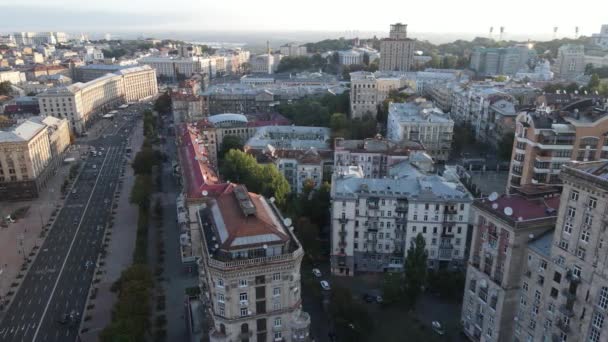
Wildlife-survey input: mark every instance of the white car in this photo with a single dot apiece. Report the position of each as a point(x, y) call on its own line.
point(325, 285)
point(316, 272)
point(437, 327)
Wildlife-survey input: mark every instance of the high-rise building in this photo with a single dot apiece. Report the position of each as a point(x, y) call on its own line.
point(501, 61)
point(601, 38)
point(397, 51)
point(503, 229)
point(547, 138)
point(374, 220)
point(250, 269)
point(570, 62)
point(537, 273)
point(293, 50)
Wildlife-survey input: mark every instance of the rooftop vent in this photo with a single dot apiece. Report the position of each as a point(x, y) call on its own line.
point(245, 203)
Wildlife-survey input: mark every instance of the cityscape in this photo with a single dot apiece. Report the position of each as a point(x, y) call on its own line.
point(355, 187)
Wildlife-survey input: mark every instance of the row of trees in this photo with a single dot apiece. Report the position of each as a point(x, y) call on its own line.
point(240, 167)
point(315, 111)
point(130, 315)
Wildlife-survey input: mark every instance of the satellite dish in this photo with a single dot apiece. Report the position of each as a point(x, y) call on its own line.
point(287, 222)
point(520, 219)
point(205, 193)
point(531, 236)
point(216, 246)
point(494, 206)
point(272, 199)
point(508, 211)
point(483, 283)
point(265, 246)
point(493, 196)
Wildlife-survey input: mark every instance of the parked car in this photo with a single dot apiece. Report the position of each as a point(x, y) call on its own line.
point(379, 299)
point(368, 298)
point(437, 328)
point(325, 285)
point(316, 272)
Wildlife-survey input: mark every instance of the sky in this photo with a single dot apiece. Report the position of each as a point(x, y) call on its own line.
point(519, 17)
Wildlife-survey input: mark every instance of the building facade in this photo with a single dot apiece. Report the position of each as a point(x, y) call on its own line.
point(397, 51)
point(28, 154)
point(293, 50)
point(421, 122)
point(250, 270)
point(601, 38)
point(547, 138)
point(374, 220)
point(570, 62)
point(503, 229)
point(80, 101)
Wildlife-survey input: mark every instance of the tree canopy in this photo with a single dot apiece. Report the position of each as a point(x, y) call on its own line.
point(230, 142)
point(5, 88)
point(351, 319)
point(240, 167)
point(415, 269)
point(163, 103)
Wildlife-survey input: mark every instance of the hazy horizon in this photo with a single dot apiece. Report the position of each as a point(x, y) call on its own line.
point(522, 19)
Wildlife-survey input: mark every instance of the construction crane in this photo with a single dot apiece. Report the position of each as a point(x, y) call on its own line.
point(502, 32)
point(555, 28)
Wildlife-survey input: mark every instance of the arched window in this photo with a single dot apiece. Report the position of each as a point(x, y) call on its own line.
point(223, 329)
point(244, 328)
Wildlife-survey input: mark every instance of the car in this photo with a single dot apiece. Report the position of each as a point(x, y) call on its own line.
point(437, 327)
point(368, 298)
point(379, 299)
point(316, 272)
point(64, 319)
point(325, 285)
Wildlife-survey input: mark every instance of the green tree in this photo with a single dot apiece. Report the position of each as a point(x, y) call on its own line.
point(230, 142)
point(5, 88)
point(163, 103)
point(145, 160)
point(500, 78)
point(392, 287)
point(594, 82)
point(308, 234)
point(415, 269)
point(351, 319)
point(295, 64)
point(141, 191)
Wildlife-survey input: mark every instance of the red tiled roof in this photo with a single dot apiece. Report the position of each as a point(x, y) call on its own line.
point(526, 208)
point(198, 175)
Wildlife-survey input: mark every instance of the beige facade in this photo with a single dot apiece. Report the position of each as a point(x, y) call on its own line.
point(543, 142)
point(250, 270)
point(80, 101)
point(570, 61)
point(397, 51)
point(503, 228)
point(368, 90)
point(28, 152)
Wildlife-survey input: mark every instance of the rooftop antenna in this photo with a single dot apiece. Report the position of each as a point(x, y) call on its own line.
point(555, 28)
point(491, 31)
point(576, 32)
point(502, 32)
point(508, 211)
point(493, 196)
point(268, 51)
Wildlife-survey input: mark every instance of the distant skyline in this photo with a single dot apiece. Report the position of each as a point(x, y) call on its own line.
point(521, 18)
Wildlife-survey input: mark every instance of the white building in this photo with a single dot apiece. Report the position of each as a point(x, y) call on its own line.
point(264, 63)
point(368, 90)
point(250, 269)
point(349, 57)
point(421, 121)
point(542, 72)
point(601, 38)
point(35, 38)
point(176, 67)
point(374, 220)
point(570, 62)
point(13, 76)
point(597, 61)
point(293, 50)
point(79, 101)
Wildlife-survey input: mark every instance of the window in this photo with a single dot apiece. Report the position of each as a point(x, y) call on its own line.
point(574, 195)
point(598, 320)
point(525, 286)
point(580, 252)
point(576, 271)
point(568, 227)
point(277, 322)
point(543, 264)
point(276, 306)
point(276, 276)
point(276, 291)
point(242, 282)
point(563, 244)
point(594, 335)
point(278, 335)
point(603, 298)
point(557, 277)
point(243, 297)
point(220, 298)
point(473, 285)
point(585, 235)
point(554, 293)
point(220, 282)
point(222, 310)
point(571, 212)
point(592, 202)
point(244, 312)
point(551, 307)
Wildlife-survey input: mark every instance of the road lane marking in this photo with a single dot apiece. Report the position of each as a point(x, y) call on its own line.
point(48, 303)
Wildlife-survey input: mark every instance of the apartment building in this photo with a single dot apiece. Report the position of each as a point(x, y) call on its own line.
point(293, 50)
point(13, 76)
point(368, 90)
point(374, 155)
point(570, 62)
point(186, 107)
point(176, 67)
point(37, 38)
point(397, 51)
point(421, 121)
point(87, 73)
point(504, 228)
point(80, 102)
point(250, 269)
point(28, 154)
point(374, 220)
point(501, 61)
point(548, 137)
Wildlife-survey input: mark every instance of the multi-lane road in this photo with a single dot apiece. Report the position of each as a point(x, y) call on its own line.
point(50, 301)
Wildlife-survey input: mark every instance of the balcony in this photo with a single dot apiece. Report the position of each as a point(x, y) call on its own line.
point(342, 244)
point(572, 278)
point(401, 208)
point(566, 310)
point(372, 205)
point(342, 234)
point(570, 296)
point(475, 260)
point(451, 211)
point(343, 220)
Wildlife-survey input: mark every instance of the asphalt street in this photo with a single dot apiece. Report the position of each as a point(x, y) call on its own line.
point(49, 303)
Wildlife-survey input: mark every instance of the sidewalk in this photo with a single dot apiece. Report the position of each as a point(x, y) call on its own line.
point(19, 239)
point(119, 255)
